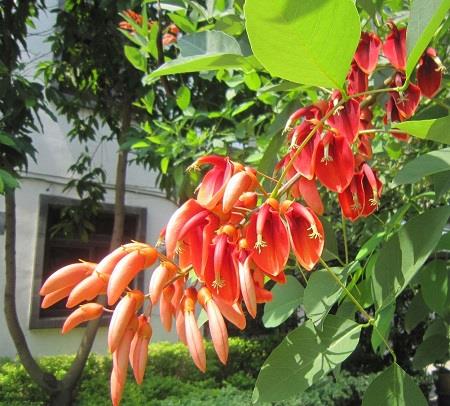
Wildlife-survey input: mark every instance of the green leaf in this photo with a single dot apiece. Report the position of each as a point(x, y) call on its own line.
point(286, 298)
point(431, 350)
point(416, 313)
point(437, 327)
point(441, 183)
point(309, 41)
point(252, 80)
point(437, 129)
point(444, 243)
point(321, 294)
point(208, 42)
point(183, 97)
point(198, 63)
point(136, 58)
point(8, 180)
point(435, 286)
point(424, 165)
point(383, 324)
point(184, 23)
point(304, 357)
point(425, 18)
point(242, 107)
point(164, 164)
point(203, 51)
point(406, 251)
point(330, 249)
point(370, 245)
point(393, 387)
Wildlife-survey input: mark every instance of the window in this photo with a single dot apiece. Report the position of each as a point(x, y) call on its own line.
point(55, 251)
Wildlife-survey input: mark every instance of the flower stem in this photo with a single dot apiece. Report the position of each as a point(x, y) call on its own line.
point(380, 130)
point(276, 189)
point(344, 234)
point(370, 319)
point(375, 91)
point(385, 342)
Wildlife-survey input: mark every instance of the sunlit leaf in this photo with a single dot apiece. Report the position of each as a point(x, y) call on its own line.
point(309, 41)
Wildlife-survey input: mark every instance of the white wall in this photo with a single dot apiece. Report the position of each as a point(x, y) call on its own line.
point(48, 176)
point(49, 341)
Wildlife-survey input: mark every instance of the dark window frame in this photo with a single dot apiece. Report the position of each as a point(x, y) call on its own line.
point(35, 321)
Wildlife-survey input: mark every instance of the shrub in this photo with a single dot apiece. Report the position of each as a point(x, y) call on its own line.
point(172, 380)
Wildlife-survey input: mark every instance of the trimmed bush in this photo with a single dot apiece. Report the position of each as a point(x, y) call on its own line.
point(172, 379)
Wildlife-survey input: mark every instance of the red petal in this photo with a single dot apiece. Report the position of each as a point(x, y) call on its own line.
point(368, 51)
point(394, 47)
point(307, 235)
point(334, 168)
point(346, 120)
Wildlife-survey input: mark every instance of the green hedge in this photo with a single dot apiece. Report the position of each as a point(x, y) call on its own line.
point(172, 379)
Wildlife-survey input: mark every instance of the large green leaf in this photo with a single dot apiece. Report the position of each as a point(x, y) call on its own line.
point(393, 387)
point(444, 243)
point(309, 41)
point(437, 129)
point(424, 165)
point(304, 357)
point(436, 327)
point(441, 183)
point(435, 286)
point(203, 51)
point(416, 313)
point(431, 350)
point(406, 251)
point(321, 294)
point(425, 18)
point(286, 298)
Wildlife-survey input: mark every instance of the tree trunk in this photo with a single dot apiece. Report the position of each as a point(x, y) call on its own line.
point(45, 380)
point(64, 396)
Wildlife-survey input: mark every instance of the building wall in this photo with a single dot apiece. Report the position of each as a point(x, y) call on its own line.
point(50, 341)
point(49, 176)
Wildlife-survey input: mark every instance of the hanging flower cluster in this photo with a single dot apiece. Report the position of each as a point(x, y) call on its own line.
point(224, 244)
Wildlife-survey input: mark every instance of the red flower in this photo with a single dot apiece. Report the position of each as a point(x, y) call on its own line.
point(352, 198)
point(305, 232)
point(304, 162)
point(346, 118)
point(268, 239)
point(394, 47)
point(429, 73)
point(407, 101)
point(307, 189)
point(368, 51)
point(221, 274)
point(372, 190)
point(334, 162)
point(212, 187)
point(357, 80)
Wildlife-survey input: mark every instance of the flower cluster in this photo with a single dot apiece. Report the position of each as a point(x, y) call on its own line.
point(330, 141)
point(223, 245)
